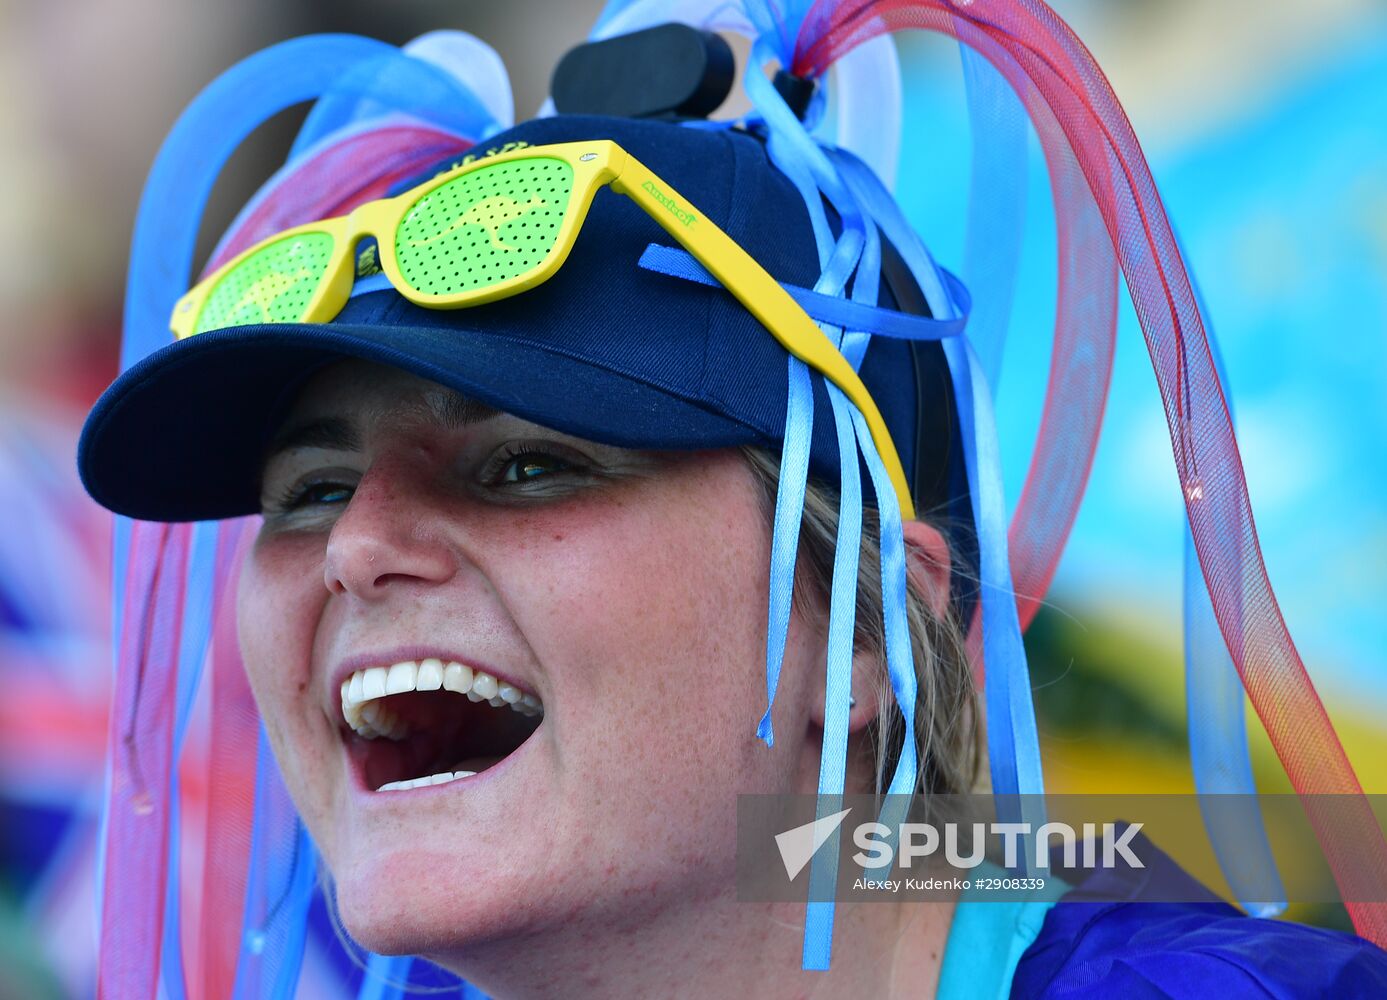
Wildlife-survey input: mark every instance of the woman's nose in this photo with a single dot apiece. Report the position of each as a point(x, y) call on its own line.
point(385, 538)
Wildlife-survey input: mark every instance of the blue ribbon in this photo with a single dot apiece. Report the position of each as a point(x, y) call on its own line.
point(788, 149)
point(842, 622)
point(866, 285)
point(789, 509)
point(859, 316)
point(816, 175)
point(799, 157)
point(1013, 743)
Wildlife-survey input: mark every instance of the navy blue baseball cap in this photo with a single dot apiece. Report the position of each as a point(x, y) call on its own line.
point(604, 350)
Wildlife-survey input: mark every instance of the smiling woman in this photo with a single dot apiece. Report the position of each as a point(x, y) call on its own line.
point(452, 615)
point(570, 540)
point(427, 567)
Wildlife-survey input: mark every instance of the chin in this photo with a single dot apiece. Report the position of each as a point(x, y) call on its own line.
point(405, 904)
point(393, 917)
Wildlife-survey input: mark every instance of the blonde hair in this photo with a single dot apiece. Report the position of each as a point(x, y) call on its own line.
point(946, 710)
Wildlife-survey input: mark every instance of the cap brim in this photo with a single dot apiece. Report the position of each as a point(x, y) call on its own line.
point(181, 436)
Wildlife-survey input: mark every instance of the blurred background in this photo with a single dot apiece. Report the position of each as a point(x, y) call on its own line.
point(1266, 128)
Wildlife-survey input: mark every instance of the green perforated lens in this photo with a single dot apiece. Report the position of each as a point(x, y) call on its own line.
point(272, 285)
point(485, 227)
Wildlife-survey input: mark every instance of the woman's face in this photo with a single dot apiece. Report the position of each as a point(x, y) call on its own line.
point(624, 591)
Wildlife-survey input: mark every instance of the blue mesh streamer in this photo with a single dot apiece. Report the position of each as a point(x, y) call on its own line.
point(777, 24)
point(170, 212)
point(1215, 703)
point(386, 976)
point(192, 655)
point(278, 890)
point(622, 16)
point(394, 82)
point(161, 262)
point(191, 158)
point(996, 206)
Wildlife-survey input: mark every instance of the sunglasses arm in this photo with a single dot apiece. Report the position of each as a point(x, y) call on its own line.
point(763, 297)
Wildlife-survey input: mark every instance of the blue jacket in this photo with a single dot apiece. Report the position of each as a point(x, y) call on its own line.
point(1107, 938)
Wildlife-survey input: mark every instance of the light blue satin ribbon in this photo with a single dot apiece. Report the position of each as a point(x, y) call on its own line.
point(799, 158)
point(838, 259)
point(789, 508)
point(1013, 742)
point(842, 622)
point(815, 175)
point(857, 315)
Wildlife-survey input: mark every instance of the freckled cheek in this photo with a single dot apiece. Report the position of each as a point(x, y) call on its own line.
point(279, 599)
point(653, 617)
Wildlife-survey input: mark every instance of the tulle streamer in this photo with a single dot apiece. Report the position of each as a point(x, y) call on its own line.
point(361, 141)
point(1043, 60)
point(249, 917)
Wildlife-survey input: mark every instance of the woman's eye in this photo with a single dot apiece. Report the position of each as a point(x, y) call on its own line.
point(317, 494)
point(528, 466)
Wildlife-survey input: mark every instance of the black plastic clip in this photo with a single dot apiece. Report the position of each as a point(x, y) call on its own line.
point(668, 71)
point(797, 91)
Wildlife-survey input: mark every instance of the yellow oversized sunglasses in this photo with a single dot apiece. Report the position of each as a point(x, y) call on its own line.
point(493, 228)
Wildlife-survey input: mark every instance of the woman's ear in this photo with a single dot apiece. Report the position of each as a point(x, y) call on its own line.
point(927, 572)
point(865, 692)
point(927, 564)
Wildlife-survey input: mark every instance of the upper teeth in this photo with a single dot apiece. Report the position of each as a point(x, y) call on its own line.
point(372, 718)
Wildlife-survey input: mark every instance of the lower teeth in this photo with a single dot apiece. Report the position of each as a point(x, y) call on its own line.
point(442, 778)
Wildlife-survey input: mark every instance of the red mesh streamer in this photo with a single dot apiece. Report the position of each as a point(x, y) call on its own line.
point(141, 749)
point(357, 169)
point(1080, 373)
point(332, 182)
point(339, 177)
point(231, 777)
point(1040, 56)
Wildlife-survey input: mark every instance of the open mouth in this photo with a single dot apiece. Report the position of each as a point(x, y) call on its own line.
point(429, 722)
